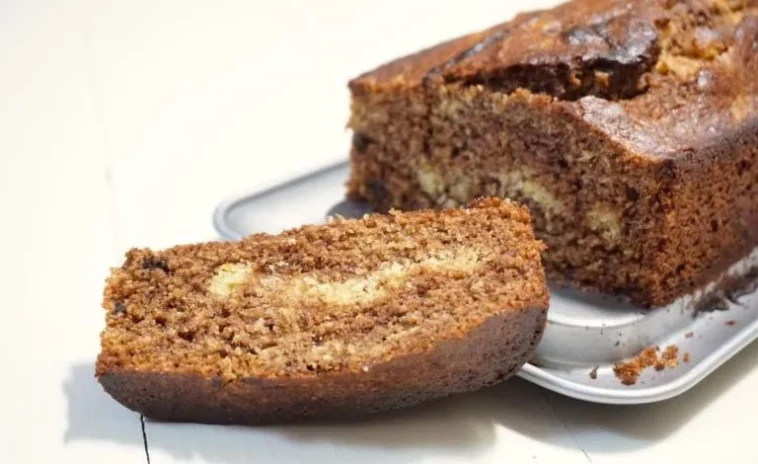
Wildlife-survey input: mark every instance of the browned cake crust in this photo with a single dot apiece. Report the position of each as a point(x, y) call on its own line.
point(630, 129)
point(344, 319)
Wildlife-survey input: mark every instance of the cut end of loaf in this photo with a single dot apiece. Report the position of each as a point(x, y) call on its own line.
point(628, 128)
point(341, 297)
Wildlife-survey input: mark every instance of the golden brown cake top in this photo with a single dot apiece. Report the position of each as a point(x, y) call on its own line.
point(661, 76)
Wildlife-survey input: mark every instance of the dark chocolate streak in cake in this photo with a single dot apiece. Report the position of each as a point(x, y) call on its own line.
point(636, 50)
point(743, 286)
point(613, 74)
point(468, 53)
point(731, 289)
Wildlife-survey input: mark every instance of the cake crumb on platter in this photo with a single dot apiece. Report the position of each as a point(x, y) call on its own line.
point(668, 358)
point(628, 372)
point(593, 373)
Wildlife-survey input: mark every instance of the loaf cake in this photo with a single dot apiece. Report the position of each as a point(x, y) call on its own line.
point(629, 128)
point(342, 319)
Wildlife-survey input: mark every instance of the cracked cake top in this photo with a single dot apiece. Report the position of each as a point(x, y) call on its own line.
point(662, 77)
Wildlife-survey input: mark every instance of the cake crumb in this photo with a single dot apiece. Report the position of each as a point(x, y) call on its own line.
point(593, 373)
point(618, 342)
point(628, 372)
point(686, 357)
point(730, 322)
point(670, 356)
point(689, 334)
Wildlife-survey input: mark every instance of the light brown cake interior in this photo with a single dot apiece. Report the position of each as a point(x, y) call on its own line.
point(342, 296)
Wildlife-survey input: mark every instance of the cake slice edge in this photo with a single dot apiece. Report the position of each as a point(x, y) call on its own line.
point(490, 350)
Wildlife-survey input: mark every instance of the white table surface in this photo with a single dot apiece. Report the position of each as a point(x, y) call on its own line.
point(123, 123)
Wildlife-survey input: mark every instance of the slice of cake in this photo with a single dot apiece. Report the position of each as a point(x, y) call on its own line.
point(351, 317)
point(630, 129)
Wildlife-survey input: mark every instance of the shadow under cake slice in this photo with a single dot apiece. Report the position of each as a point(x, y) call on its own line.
point(334, 320)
